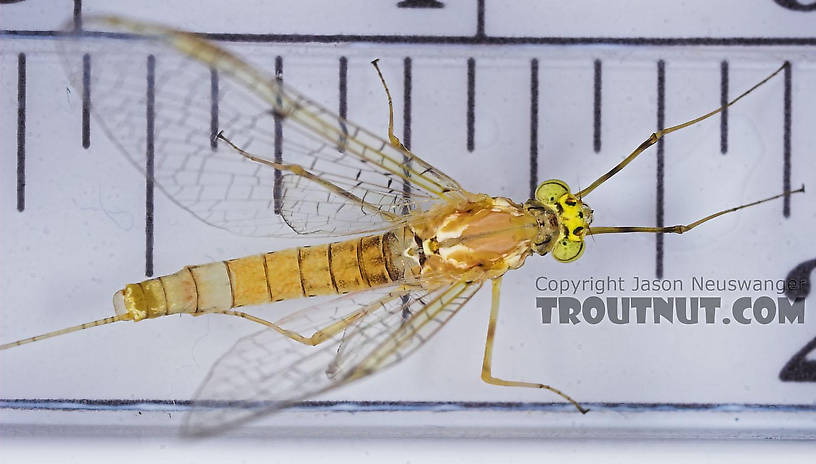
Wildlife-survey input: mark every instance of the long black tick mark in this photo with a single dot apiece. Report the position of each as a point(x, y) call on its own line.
point(213, 109)
point(407, 85)
point(533, 126)
point(596, 127)
point(661, 116)
point(786, 168)
point(342, 110)
point(150, 163)
point(471, 102)
point(86, 101)
point(724, 105)
point(407, 79)
point(407, 89)
point(480, 18)
point(277, 187)
point(21, 129)
point(77, 15)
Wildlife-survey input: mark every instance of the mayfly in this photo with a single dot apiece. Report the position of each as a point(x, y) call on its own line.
point(241, 151)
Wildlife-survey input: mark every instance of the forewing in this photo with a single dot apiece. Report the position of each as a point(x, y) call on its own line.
point(313, 210)
point(264, 372)
point(162, 96)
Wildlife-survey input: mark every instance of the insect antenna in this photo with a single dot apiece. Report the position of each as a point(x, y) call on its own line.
point(67, 330)
point(659, 134)
point(679, 229)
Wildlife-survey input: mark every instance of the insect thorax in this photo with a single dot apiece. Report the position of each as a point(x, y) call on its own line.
point(476, 239)
point(549, 226)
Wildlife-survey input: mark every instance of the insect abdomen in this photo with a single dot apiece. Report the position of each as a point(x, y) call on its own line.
point(333, 268)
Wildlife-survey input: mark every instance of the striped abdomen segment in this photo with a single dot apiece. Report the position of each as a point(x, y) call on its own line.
point(340, 267)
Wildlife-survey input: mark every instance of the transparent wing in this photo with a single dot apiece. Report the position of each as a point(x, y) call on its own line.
point(163, 96)
point(415, 323)
point(266, 371)
point(263, 373)
point(311, 209)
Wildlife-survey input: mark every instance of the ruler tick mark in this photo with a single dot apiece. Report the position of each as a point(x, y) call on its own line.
point(471, 103)
point(276, 189)
point(407, 88)
point(724, 105)
point(150, 163)
point(77, 15)
point(786, 147)
point(533, 126)
point(480, 18)
point(342, 80)
point(420, 4)
point(214, 109)
point(406, 106)
point(21, 129)
point(596, 127)
point(86, 101)
point(659, 213)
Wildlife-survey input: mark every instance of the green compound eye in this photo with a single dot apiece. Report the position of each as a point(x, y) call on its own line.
point(566, 251)
point(550, 191)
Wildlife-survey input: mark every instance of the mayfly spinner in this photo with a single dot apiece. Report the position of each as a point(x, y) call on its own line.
point(241, 151)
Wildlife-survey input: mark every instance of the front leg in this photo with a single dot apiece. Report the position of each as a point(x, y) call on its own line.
point(391, 137)
point(487, 374)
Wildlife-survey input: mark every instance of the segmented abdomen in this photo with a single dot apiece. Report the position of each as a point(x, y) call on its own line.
point(333, 268)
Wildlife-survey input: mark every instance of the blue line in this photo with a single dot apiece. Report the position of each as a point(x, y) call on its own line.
point(396, 406)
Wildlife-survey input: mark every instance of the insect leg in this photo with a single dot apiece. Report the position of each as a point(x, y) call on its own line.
point(319, 336)
point(487, 374)
point(300, 171)
point(679, 229)
point(659, 134)
point(391, 137)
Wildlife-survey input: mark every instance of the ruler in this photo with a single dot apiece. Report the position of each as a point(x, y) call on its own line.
point(501, 96)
